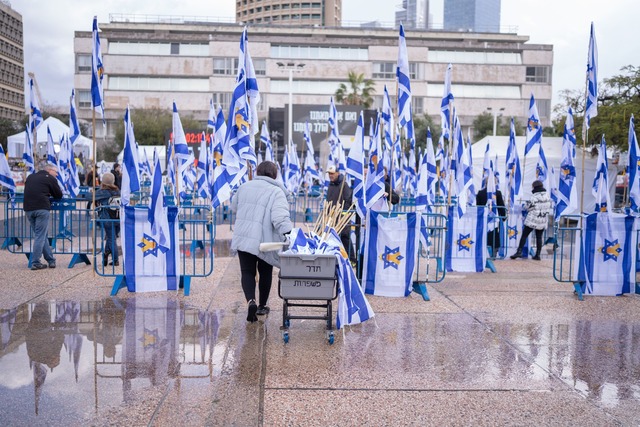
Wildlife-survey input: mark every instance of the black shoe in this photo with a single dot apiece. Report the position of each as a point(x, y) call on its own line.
point(518, 254)
point(52, 264)
point(251, 313)
point(117, 263)
point(536, 257)
point(38, 266)
point(262, 310)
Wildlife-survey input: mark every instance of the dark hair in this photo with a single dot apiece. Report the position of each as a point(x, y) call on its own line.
point(267, 168)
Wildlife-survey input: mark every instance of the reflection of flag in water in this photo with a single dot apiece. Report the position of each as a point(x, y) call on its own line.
point(391, 245)
point(7, 322)
point(151, 339)
point(600, 187)
point(467, 239)
point(146, 266)
point(68, 316)
point(609, 254)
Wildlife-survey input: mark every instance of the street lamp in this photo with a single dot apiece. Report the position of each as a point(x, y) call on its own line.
point(495, 117)
point(291, 67)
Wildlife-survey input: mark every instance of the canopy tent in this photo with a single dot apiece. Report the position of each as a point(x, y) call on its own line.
point(553, 152)
point(15, 143)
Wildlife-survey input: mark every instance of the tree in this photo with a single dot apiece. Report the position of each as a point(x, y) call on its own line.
point(151, 127)
point(358, 92)
point(420, 125)
point(8, 128)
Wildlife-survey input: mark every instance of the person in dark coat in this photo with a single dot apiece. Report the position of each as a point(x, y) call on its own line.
point(339, 192)
point(38, 189)
point(110, 227)
point(493, 236)
point(395, 199)
point(117, 174)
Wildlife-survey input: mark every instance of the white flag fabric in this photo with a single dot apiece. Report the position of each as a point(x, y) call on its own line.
point(467, 240)
point(391, 247)
point(515, 225)
point(148, 266)
point(608, 257)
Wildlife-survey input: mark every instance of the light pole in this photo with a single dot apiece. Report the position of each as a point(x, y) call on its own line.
point(291, 67)
point(495, 117)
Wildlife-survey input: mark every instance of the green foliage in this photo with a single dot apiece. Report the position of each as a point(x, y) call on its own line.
point(483, 126)
point(151, 127)
point(359, 91)
point(420, 125)
point(8, 128)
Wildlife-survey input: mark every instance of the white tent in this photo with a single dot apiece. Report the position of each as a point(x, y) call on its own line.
point(15, 143)
point(553, 152)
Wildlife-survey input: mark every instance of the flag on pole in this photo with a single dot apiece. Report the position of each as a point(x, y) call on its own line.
point(387, 119)
point(266, 140)
point(6, 177)
point(447, 99)
point(634, 167)
point(374, 181)
point(513, 173)
point(130, 173)
point(404, 83)
point(211, 119)
point(355, 167)
point(486, 166)
point(600, 187)
point(542, 168)
point(218, 137)
point(310, 171)
point(97, 73)
point(74, 126)
point(158, 214)
point(36, 113)
point(467, 240)
point(27, 154)
point(591, 109)
point(567, 194)
point(203, 169)
point(534, 128)
point(391, 247)
point(51, 152)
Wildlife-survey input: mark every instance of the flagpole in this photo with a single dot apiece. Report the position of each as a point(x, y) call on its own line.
point(93, 190)
point(585, 136)
point(450, 152)
point(393, 139)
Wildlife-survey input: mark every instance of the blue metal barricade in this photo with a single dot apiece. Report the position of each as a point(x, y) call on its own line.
point(566, 256)
point(433, 236)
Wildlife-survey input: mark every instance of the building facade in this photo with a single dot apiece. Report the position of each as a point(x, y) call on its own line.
point(151, 65)
point(472, 15)
point(12, 105)
point(414, 15)
point(324, 13)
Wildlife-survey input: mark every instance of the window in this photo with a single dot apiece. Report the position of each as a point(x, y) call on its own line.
point(175, 48)
point(475, 91)
point(158, 49)
point(223, 99)
point(159, 84)
point(544, 107)
point(417, 105)
point(314, 52)
point(482, 57)
point(83, 63)
point(225, 66)
point(387, 70)
point(260, 66)
point(84, 98)
point(538, 74)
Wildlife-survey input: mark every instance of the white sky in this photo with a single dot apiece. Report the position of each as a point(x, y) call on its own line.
point(49, 26)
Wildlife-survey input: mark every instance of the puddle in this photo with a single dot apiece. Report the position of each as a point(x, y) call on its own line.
point(67, 361)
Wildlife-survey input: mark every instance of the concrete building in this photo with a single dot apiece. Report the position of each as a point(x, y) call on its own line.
point(324, 13)
point(12, 105)
point(414, 15)
point(472, 15)
point(151, 65)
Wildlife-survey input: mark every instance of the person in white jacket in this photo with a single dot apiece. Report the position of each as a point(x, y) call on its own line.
point(537, 210)
point(262, 215)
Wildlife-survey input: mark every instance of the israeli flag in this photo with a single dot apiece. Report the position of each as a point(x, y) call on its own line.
point(591, 109)
point(374, 181)
point(404, 82)
point(6, 177)
point(130, 173)
point(513, 173)
point(609, 254)
point(391, 247)
point(515, 225)
point(567, 197)
point(27, 154)
point(266, 140)
point(534, 127)
point(203, 169)
point(467, 240)
point(51, 153)
point(600, 187)
point(634, 167)
point(97, 72)
point(148, 265)
point(355, 168)
point(542, 168)
point(445, 104)
point(211, 119)
point(36, 114)
point(387, 119)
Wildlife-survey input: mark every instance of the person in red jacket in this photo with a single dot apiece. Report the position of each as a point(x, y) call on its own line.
point(38, 189)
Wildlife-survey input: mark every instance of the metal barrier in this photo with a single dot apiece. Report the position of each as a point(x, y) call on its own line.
point(568, 238)
point(430, 262)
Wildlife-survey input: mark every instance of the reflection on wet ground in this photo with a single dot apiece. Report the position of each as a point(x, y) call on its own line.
point(222, 247)
point(69, 361)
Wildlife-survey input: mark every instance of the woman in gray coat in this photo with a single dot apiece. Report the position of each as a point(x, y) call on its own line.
point(537, 210)
point(262, 215)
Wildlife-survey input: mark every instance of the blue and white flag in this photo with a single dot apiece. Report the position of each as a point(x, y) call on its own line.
point(218, 138)
point(36, 114)
point(184, 158)
point(145, 166)
point(486, 165)
point(467, 240)
point(146, 267)
point(634, 167)
point(74, 126)
point(266, 140)
point(355, 168)
point(130, 173)
point(391, 247)
point(567, 197)
point(63, 162)
point(513, 172)
point(253, 93)
point(609, 255)
point(51, 152)
point(387, 119)
point(600, 187)
point(97, 73)
point(515, 225)
point(374, 181)
point(542, 168)
point(6, 177)
point(211, 119)
point(310, 170)
point(404, 82)
point(591, 109)
point(203, 169)
point(158, 214)
point(427, 178)
point(27, 153)
point(534, 127)
point(445, 104)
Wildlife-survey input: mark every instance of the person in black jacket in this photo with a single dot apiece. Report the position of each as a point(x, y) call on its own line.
point(339, 192)
point(117, 174)
point(493, 236)
point(38, 189)
point(395, 199)
point(110, 226)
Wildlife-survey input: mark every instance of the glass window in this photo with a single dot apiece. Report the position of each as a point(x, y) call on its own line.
point(314, 52)
point(538, 74)
point(384, 70)
point(83, 63)
point(159, 84)
point(476, 91)
point(482, 57)
point(226, 66)
point(84, 98)
point(158, 49)
point(175, 48)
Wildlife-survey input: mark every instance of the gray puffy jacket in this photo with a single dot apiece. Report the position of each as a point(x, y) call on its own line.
point(537, 210)
point(262, 215)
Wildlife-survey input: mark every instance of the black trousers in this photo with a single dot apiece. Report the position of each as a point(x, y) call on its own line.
point(249, 264)
point(525, 233)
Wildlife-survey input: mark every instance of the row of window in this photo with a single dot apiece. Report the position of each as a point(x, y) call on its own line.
point(11, 27)
point(268, 8)
point(10, 50)
point(277, 18)
point(157, 49)
point(11, 74)
point(12, 97)
point(8, 113)
point(318, 52)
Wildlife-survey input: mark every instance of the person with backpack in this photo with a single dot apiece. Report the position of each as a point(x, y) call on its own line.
point(107, 203)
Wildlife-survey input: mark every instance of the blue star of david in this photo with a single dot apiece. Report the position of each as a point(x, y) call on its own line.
point(611, 250)
point(464, 242)
point(391, 257)
point(148, 245)
point(513, 233)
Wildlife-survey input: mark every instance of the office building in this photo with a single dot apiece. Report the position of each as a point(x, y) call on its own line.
point(150, 65)
point(481, 16)
point(414, 15)
point(324, 13)
point(11, 63)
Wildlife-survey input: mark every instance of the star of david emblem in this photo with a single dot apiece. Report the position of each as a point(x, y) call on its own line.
point(464, 242)
point(391, 257)
point(149, 338)
point(513, 233)
point(148, 245)
point(611, 250)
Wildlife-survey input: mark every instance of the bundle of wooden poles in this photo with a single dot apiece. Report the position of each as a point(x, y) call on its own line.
point(332, 216)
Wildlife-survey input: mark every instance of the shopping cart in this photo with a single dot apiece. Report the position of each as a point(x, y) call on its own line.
point(307, 277)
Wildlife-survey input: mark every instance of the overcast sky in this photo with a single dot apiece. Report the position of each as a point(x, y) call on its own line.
point(49, 27)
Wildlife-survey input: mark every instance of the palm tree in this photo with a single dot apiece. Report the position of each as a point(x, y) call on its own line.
point(358, 92)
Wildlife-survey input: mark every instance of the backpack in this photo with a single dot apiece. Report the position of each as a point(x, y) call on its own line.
point(113, 207)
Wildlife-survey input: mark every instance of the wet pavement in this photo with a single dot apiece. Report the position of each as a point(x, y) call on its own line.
point(511, 348)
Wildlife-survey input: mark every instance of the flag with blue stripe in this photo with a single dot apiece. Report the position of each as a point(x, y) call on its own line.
point(203, 169)
point(542, 168)
point(567, 197)
point(391, 247)
point(427, 178)
point(534, 127)
point(130, 173)
point(36, 113)
point(513, 172)
point(634, 167)
point(51, 152)
point(467, 240)
point(97, 72)
point(211, 119)
point(6, 177)
point(266, 140)
point(515, 226)
point(74, 125)
point(158, 214)
point(600, 187)
point(355, 167)
point(609, 254)
point(591, 109)
point(445, 104)
point(387, 119)
point(374, 181)
point(27, 153)
point(147, 266)
point(404, 83)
